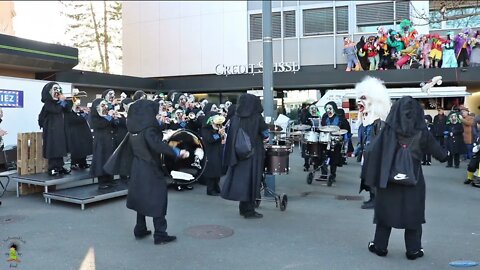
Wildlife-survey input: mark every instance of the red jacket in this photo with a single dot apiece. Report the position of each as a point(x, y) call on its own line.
point(371, 49)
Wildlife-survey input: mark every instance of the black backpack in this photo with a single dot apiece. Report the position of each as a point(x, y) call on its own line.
point(402, 171)
point(243, 145)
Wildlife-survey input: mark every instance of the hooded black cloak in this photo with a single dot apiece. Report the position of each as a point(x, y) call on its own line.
point(103, 139)
point(242, 182)
point(395, 205)
point(79, 135)
point(52, 118)
point(213, 148)
point(363, 59)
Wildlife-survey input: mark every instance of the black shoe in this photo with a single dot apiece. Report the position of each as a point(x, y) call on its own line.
point(252, 215)
point(53, 172)
point(306, 168)
point(373, 249)
point(64, 171)
point(370, 204)
point(429, 163)
point(330, 180)
point(468, 181)
point(449, 166)
point(164, 239)
point(141, 234)
point(424, 163)
point(84, 166)
point(415, 255)
point(457, 166)
point(188, 187)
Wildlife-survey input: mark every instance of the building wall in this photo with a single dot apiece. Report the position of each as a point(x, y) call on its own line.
point(172, 38)
point(7, 12)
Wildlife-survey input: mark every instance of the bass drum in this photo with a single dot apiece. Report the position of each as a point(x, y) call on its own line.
point(188, 170)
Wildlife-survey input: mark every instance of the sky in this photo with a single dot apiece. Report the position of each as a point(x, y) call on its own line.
point(39, 20)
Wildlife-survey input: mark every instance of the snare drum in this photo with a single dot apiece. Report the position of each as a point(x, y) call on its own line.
point(324, 137)
point(277, 159)
point(311, 149)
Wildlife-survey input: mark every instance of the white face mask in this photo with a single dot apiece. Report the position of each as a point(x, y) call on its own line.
point(102, 108)
point(110, 96)
point(329, 110)
point(55, 91)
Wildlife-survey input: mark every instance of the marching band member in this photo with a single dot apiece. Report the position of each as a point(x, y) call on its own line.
point(79, 135)
point(139, 157)
point(139, 95)
point(213, 137)
point(243, 179)
point(310, 113)
point(103, 121)
point(334, 156)
point(51, 120)
point(109, 96)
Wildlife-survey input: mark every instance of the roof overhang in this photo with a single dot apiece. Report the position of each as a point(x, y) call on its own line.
point(28, 55)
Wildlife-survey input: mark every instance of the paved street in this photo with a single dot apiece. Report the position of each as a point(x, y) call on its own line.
point(317, 231)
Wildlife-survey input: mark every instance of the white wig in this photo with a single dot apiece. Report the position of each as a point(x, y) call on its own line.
point(377, 97)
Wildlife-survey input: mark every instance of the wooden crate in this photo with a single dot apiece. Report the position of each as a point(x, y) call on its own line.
point(30, 159)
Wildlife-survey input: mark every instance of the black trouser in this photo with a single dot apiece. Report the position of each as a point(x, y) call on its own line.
point(246, 207)
point(413, 238)
point(212, 184)
point(473, 164)
point(441, 140)
point(463, 57)
point(105, 179)
point(55, 163)
point(159, 223)
point(454, 158)
point(427, 158)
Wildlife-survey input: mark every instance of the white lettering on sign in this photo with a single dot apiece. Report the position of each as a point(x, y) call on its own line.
point(222, 69)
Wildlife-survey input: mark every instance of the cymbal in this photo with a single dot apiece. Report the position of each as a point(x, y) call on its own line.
point(340, 132)
point(296, 133)
point(301, 127)
point(274, 128)
point(329, 128)
point(277, 132)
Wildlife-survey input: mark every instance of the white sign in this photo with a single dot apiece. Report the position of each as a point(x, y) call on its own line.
point(222, 69)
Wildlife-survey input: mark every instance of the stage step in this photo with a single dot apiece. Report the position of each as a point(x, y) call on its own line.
point(87, 194)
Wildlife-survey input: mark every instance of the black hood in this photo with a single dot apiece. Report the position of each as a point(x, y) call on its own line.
point(231, 111)
point(141, 115)
point(248, 105)
point(334, 105)
point(205, 119)
point(104, 93)
point(139, 95)
point(207, 108)
point(95, 103)
point(361, 43)
point(46, 96)
point(406, 117)
point(125, 103)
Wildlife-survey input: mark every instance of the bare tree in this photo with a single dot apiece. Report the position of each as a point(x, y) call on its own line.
point(451, 10)
point(95, 26)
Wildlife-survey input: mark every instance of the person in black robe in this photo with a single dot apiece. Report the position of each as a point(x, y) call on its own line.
point(51, 119)
point(139, 156)
point(439, 126)
point(243, 179)
point(399, 206)
point(427, 158)
point(306, 119)
point(103, 123)
point(213, 135)
point(347, 144)
point(454, 141)
point(79, 135)
point(334, 156)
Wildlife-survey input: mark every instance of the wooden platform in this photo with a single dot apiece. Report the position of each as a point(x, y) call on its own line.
point(87, 194)
point(46, 181)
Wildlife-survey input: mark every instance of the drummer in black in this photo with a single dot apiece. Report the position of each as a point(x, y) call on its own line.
point(308, 115)
point(334, 155)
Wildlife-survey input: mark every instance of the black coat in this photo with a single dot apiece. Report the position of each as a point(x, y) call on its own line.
point(103, 140)
point(400, 206)
point(439, 125)
point(455, 144)
point(243, 179)
point(213, 150)
point(120, 130)
point(79, 135)
point(54, 135)
point(403, 207)
point(335, 155)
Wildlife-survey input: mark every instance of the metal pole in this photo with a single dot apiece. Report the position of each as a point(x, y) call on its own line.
point(268, 74)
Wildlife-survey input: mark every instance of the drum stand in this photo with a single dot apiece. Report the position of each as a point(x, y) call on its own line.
point(281, 200)
point(320, 171)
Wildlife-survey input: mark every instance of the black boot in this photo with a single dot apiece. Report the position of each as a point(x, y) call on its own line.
point(415, 255)
point(331, 180)
point(373, 249)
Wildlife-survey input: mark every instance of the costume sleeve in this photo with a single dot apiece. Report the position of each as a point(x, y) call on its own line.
point(431, 146)
point(52, 107)
point(209, 136)
point(153, 137)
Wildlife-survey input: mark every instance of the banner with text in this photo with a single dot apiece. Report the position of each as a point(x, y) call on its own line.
point(11, 98)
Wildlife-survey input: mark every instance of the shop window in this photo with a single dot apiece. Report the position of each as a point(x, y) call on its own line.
point(371, 16)
point(318, 21)
point(289, 27)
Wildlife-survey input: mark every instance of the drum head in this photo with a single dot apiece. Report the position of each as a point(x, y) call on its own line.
point(185, 171)
point(340, 132)
point(301, 127)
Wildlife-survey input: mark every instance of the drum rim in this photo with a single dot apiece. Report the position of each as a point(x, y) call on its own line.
point(162, 158)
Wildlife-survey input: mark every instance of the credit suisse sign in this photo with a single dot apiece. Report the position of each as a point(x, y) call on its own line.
point(225, 70)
